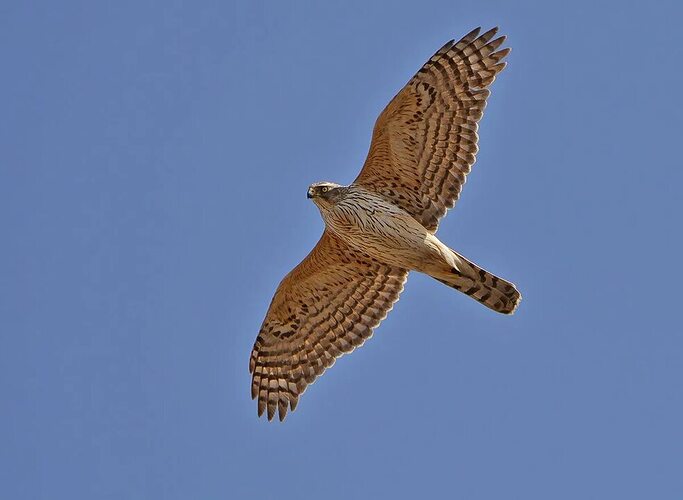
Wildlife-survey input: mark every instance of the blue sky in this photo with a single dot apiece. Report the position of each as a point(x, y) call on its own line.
point(154, 158)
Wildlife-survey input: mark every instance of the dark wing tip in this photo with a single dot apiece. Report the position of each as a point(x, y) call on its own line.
point(271, 412)
point(490, 33)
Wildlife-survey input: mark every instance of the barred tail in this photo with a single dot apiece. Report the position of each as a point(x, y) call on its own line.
point(490, 290)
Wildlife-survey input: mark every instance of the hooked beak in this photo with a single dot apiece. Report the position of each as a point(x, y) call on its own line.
point(309, 193)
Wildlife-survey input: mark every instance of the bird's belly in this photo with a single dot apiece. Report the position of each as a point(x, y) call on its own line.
point(388, 234)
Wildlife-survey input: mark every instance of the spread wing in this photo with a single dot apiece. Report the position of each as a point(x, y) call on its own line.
point(425, 141)
point(327, 306)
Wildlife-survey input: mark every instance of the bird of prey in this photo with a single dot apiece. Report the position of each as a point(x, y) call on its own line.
point(383, 225)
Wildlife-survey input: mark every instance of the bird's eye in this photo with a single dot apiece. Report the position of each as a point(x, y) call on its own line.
point(325, 189)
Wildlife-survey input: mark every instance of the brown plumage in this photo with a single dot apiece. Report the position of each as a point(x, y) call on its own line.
point(425, 141)
point(382, 226)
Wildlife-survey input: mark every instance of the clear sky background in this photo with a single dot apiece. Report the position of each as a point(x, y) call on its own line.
point(154, 160)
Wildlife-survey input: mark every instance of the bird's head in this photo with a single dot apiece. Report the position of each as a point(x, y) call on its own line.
point(325, 194)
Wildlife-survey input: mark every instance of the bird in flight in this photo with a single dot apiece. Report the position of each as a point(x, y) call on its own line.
point(383, 225)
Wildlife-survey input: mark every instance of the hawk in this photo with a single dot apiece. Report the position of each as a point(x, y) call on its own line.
point(383, 225)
